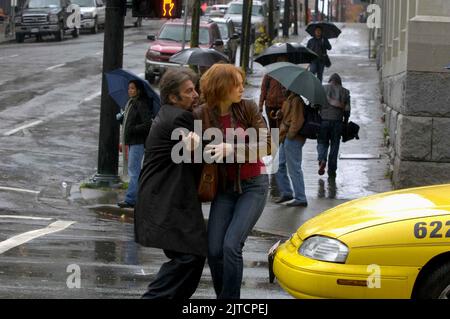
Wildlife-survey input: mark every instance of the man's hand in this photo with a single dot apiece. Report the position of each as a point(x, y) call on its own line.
point(220, 151)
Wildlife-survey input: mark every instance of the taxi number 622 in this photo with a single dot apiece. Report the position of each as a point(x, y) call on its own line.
point(433, 230)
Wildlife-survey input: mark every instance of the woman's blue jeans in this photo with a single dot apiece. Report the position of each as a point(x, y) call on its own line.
point(135, 156)
point(290, 169)
point(231, 218)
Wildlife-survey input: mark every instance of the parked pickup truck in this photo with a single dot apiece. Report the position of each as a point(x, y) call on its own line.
point(92, 14)
point(47, 17)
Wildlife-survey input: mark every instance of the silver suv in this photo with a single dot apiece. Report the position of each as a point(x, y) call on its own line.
point(92, 14)
point(259, 19)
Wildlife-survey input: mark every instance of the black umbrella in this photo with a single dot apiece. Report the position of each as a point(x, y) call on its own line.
point(198, 56)
point(329, 30)
point(295, 52)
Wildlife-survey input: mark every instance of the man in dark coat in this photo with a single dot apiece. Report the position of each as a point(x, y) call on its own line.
point(168, 214)
point(319, 45)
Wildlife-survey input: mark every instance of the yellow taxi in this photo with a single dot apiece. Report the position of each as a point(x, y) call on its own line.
point(390, 245)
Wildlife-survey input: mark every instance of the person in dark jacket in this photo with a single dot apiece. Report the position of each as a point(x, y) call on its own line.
point(319, 45)
point(334, 115)
point(168, 214)
point(136, 123)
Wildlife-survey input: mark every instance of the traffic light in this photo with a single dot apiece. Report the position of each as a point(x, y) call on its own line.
point(169, 9)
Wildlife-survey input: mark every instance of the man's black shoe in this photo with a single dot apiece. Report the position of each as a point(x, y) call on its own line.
point(283, 199)
point(124, 204)
point(297, 203)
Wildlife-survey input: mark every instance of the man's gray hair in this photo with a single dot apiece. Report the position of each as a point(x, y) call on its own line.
point(172, 80)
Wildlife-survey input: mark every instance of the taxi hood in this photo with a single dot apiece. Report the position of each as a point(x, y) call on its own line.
point(379, 209)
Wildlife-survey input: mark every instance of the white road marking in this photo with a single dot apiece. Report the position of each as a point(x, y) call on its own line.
point(28, 236)
point(92, 96)
point(11, 56)
point(127, 44)
point(55, 66)
point(25, 217)
point(22, 127)
point(19, 190)
point(141, 75)
point(99, 52)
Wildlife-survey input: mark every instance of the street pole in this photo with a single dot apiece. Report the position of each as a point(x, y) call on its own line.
point(246, 36)
point(270, 28)
point(295, 32)
point(13, 17)
point(306, 12)
point(316, 11)
point(286, 20)
point(323, 10)
point(108, 148)
point(184, 24)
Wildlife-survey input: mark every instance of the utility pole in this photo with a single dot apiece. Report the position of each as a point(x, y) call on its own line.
point(295, 18)
point(195, 24)
point(246, 38)
point(108, 148)
point(323, 10)
point(330, 11)
point(286, 19)
point(338, 10)
point(270, 28)
point(316, 11)
point(306, 12)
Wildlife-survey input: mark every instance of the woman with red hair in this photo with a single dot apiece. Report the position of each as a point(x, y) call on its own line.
point(243, 184)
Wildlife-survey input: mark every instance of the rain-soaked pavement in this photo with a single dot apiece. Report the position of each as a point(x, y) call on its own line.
point(53, 87)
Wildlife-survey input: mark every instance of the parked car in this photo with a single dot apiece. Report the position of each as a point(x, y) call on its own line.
point(229, 36)
point(168, 41)
point(391, 245)
point(259, 19)
point(47, 17)
point(92, 14)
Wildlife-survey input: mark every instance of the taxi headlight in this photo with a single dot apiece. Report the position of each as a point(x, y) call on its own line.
point(324, 249)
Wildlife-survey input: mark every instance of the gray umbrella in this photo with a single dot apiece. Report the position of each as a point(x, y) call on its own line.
point(198, 56)
point(298, 80)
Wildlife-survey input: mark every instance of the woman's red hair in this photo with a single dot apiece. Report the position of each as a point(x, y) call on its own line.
point(218, 81)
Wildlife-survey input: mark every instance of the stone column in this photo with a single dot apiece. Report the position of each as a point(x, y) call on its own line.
point(416, 90)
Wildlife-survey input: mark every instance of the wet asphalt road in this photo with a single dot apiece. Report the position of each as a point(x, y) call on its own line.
point(57, 85)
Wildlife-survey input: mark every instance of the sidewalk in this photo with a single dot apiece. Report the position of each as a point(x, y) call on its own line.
point(363, 164)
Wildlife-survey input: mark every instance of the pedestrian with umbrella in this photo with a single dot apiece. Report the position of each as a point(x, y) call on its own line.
point(272, 93)
point(138, 105)
point(298, 82)
point(136, 121)
point(319, 43)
